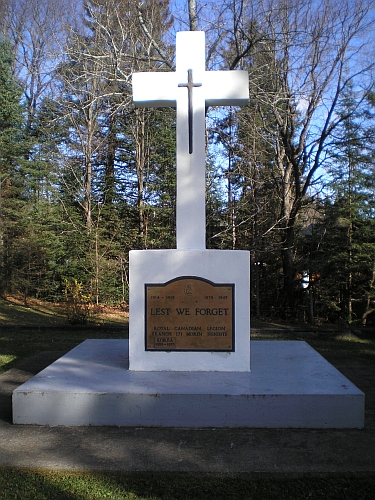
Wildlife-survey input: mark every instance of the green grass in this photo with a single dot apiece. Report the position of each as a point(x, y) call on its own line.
point(38, 485)
point(6, 359)
point(13, 312)
point(17, 343)
point(25, 331)
point(42, 328)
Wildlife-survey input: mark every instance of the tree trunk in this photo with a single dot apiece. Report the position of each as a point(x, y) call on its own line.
point(193, 25)
point(369, 308)
point(310, 301)
point(109, 188)
point(257, 288)
point(140, 168)
point(289, 272)
point(87, 200)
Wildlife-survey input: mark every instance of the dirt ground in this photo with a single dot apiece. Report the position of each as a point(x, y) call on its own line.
point(275, 451)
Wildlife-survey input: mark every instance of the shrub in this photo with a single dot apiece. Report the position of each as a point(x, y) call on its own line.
point(77, 303)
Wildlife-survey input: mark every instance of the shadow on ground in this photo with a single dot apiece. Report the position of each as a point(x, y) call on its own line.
point(185, 450)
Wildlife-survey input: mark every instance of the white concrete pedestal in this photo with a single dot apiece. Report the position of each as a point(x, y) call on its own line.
point(290, 385)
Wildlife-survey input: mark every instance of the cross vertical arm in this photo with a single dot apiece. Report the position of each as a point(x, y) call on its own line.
point(190, 85)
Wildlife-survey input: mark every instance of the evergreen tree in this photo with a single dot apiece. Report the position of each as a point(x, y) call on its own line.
point(346, 233)
point(10, 120)
point(11, 160)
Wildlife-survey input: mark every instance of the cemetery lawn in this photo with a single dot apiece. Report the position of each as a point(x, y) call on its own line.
point(41, 326)
point(41, 331)
point(42, 485)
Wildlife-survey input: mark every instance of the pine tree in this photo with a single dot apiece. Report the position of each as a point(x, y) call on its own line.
point(10, 118)
point(29, 248)
point(11, 160)
point(347, 258)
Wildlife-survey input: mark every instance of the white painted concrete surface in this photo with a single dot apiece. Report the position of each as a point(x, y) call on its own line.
point(160, 266)
point(290, 385)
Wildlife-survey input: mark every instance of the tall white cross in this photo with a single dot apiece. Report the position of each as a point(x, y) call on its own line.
point(190, 89)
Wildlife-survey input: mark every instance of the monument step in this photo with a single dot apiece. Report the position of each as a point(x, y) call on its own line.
point(290, 385)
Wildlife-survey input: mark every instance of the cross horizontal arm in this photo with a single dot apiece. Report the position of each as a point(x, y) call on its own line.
point(155, 90)
point(222, 88)
point(226, 88)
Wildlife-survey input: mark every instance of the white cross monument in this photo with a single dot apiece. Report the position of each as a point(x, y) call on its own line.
point(290, 386)
point(190, 89)
point(190, 267)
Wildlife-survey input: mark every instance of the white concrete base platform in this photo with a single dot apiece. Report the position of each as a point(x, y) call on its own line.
point(290, 385)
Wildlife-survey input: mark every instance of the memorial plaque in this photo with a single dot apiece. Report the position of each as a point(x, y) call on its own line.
point(189, 314)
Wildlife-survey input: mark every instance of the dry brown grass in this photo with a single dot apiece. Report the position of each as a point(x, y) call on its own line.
point(13, 311)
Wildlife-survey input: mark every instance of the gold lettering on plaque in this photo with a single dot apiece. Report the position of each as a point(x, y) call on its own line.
point(190, 314)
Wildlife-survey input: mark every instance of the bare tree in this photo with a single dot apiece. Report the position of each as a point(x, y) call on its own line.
point(314, 51)
point(36, 29)
point(4, 9)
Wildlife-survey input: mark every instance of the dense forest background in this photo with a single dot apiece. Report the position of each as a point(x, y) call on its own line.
point(85, 176)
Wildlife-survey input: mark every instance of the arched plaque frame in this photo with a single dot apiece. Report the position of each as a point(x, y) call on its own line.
point(190, 313)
